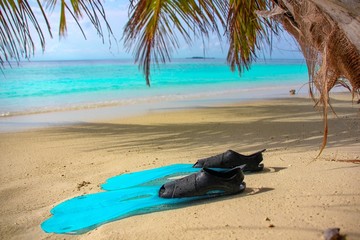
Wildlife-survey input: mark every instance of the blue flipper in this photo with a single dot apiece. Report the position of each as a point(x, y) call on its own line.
point(82, 214)
point(102, 199)
point(127, 195)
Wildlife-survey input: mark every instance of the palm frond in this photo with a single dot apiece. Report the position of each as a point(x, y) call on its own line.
point(94, 10)
point(328, 51)
point(17, 19)
point(246, 31)
point(153, 27)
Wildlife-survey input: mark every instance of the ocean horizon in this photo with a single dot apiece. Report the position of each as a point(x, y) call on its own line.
point(50, 90)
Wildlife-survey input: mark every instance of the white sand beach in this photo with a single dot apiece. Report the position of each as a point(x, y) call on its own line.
point(295, 197)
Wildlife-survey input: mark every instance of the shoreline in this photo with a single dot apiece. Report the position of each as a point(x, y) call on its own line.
point(38, 119)
point(70, 87)
point(299, 195)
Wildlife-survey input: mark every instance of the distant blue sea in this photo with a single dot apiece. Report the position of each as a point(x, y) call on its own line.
point(45, 87)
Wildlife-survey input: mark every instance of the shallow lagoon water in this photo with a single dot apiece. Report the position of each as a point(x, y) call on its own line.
point(39, 94)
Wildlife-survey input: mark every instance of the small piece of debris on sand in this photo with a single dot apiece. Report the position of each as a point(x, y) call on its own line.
point(82, 184)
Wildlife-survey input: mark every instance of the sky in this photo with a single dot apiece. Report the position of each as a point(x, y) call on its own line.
point(75, 47)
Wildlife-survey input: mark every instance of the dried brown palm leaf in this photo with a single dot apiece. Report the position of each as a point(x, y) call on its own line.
point(329, 53)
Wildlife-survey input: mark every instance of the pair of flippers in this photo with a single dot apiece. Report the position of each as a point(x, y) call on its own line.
point(221, 174)
point(136, 193)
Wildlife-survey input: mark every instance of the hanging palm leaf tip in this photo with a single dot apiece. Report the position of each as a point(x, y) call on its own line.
point(246, 31)
point(92, 9)
point(153, 27)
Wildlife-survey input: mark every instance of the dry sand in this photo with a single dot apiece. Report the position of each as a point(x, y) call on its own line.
point(295, 197)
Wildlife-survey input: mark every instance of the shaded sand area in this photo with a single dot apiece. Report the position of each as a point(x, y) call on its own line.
point(295, 197)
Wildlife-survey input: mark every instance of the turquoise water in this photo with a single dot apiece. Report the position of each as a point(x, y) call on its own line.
point(45, 87)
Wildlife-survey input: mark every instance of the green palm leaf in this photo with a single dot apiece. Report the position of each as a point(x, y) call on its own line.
point(153, 28)
point(17, 19)
point(246, 31)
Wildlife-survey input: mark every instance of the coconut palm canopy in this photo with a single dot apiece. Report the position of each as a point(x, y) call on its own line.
point(327, 31)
